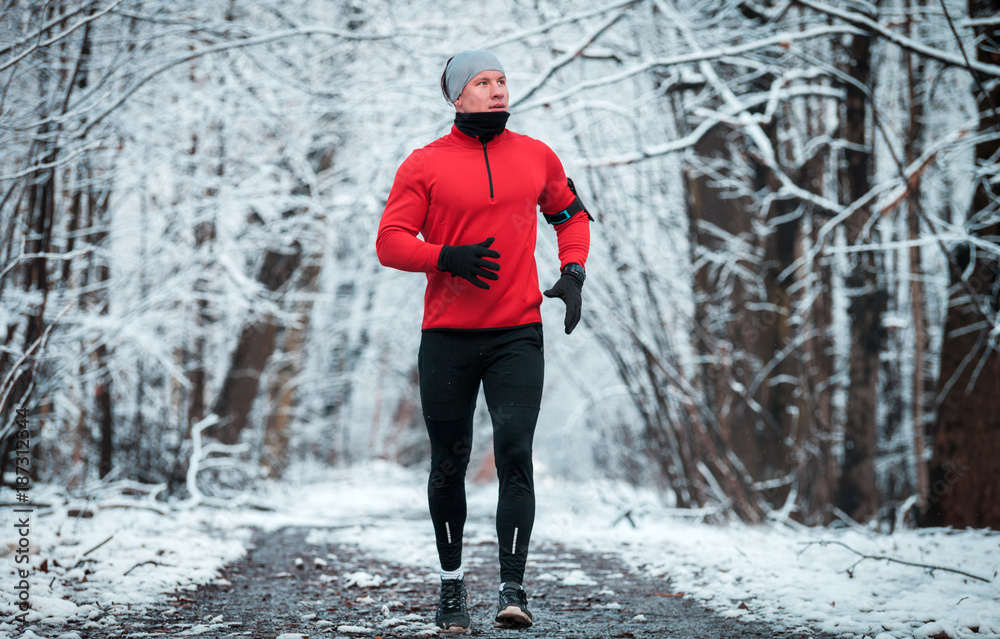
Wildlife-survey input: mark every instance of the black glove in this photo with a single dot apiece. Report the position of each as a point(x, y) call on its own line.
point(570, 289)
point(467, 261)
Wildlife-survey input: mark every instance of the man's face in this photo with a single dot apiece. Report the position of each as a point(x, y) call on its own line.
point(485, 92)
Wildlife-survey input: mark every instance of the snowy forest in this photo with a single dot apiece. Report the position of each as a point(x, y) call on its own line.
point(793, 286)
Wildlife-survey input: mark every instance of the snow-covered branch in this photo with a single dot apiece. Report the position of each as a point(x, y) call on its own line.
point(18, 368)
point(734, 115)
point(872, 26)
point(41, 44)
point(567, 57)
point(62, 161)
point(566, 19)
point(713, 53)
point(892, 560)
point(226, 46)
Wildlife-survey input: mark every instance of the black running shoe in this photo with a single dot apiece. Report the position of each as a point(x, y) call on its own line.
point(513, 611)
point(453, 613)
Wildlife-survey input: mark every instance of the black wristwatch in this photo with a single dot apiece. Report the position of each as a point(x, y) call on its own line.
point(576, 269)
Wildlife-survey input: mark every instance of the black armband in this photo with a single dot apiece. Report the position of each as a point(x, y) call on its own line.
point(565, 214)
point(575, 207)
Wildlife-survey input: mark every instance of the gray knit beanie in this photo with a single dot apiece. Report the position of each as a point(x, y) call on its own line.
point(465, 66)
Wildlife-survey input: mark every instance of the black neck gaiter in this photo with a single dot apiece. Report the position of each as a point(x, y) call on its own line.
point(482, 126)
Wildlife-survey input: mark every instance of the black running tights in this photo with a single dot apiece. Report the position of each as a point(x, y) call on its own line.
point(509, 364)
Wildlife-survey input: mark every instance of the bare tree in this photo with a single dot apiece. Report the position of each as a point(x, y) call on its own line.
point(176, 238)
point(857, 494)
point(793, 267)
point(96, 95)
point(965, 466)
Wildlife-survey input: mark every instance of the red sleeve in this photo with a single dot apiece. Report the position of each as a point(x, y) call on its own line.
point(397, 244)
point(573, 235)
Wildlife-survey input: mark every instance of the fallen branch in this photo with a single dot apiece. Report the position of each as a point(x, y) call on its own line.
point(863, 556)
point(82, 561)
point(98, 545)
point(148, 561)
point(627, 515)
point(158, 511)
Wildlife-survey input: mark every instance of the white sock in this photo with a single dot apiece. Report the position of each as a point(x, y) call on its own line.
point(453, 574)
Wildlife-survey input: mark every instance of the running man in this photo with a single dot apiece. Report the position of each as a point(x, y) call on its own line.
point(473, 198)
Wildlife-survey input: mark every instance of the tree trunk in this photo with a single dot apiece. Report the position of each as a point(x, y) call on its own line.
point(779, 360)
point(965, 466)
point(255, 347)
point(41, 217)
point(815, 461)
point(725, 332)
point(56, 85)
point(103, 390)
point(283, 395)
point(204, 234)
point(857, 492)
point(105, 415)
point(921, 341)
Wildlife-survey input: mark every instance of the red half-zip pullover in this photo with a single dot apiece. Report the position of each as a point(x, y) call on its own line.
point(456, 191)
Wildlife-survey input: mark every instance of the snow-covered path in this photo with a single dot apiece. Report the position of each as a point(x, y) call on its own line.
point(775, 573)
point(301, 582)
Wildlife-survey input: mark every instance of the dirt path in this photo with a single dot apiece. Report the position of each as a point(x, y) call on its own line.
point(268, 596)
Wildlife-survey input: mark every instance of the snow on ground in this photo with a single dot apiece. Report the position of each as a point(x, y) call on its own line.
point(102, 557)
point(798, 577)
point(131, 552)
